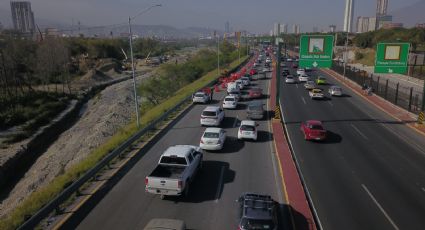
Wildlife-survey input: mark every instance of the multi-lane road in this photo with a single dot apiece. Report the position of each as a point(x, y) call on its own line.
point(369, 174)
point(242, 166)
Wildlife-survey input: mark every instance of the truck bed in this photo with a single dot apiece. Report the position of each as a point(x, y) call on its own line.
point(172, 172)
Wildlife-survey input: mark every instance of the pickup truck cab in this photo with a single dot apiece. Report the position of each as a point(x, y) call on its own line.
point(176, 169)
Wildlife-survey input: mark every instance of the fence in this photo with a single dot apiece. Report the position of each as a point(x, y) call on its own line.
point(407, 98)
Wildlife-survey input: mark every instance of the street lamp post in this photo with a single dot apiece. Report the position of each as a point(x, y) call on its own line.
point(345, 56)
point(136, 102)
point(218, 55)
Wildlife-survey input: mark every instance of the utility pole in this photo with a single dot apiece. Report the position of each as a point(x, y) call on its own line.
point(218, 55)
point(279, 49)
point(345, 56)
point(136, 103)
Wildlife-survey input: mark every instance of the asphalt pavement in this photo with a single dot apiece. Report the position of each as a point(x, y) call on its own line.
point(242, 166)
point(369, 173)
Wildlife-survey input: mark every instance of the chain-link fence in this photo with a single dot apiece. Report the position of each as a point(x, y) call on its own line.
point(407, 98)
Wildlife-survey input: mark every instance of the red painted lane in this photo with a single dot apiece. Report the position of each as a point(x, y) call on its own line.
point(300, 209)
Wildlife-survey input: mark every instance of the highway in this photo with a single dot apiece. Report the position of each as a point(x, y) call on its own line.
point(239, 167)
point(369, 174)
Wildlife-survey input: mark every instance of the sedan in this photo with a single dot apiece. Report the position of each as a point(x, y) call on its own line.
point(253, 71)
point(213, 139)
point(321, 80)
point(335, 90)
point(255, 92)
point(290, 79)
point(300, 71)
point(247, 130)
point(313, 130)
point(230, 102)
point(309, 85)
point(316, 94)
point(303, 78)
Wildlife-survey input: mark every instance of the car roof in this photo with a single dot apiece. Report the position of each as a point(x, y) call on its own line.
point(257, 206)
point(211, 108)
point(248, 122)
point(230, 96)
point(314, 122)
point(213, 130)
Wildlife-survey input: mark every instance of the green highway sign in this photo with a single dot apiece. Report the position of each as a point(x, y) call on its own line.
point(392, 57)
point(316, 51)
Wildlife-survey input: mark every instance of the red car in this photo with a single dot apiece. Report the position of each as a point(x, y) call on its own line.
point(253, 72)
point(313, 130)
point(295, 66)
point(255, 93)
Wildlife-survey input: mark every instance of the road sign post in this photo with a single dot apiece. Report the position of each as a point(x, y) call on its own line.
point(316, 51)
point(392, 58)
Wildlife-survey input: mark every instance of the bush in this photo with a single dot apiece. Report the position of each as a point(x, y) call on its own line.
point(359, 55)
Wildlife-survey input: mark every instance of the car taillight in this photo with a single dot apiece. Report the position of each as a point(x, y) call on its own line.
point(180, 184)
point(146, 181)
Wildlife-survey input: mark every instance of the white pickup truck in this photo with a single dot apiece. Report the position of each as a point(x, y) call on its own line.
point(176, 169)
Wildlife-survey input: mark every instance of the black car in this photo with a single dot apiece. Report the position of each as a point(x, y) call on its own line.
point(257, 212)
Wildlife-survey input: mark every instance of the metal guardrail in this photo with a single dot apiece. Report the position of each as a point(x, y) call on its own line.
point(34, 220)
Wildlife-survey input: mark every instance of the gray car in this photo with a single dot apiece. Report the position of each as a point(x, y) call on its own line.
point(255, 110)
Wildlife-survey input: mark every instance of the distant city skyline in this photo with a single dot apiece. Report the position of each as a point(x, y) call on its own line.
point(244, 15)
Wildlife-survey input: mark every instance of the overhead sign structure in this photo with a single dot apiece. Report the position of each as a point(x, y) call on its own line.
point(316, 51)
point(392, 58)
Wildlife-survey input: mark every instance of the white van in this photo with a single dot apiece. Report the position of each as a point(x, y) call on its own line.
point(212, 116)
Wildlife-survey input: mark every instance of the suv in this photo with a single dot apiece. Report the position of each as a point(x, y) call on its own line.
point(257, 212)
point(255, 110)
point(212, 116)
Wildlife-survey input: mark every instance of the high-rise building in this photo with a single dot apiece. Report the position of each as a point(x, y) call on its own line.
point(348, 16)
point(227, 27)
point(332, 28)
point(284, 28)
point(372, 24)
point(22, 16)
point(362, 24)
point(296, 29)
point(381, 7)
point(276, 29)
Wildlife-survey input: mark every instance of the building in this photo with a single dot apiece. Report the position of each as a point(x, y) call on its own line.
point(296, 29)
point(381, 14)
point(276, 29)
point(392, 25)
point(284, 28)
point(381, 7)
point(362, 24)
point(420, 25)
point(227, 27)
point(332, 28)
point(52, 32)
point(372, 24)
point(22, 16)
point(348, 16)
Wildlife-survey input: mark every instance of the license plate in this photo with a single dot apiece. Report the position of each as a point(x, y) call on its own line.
point(247, 133)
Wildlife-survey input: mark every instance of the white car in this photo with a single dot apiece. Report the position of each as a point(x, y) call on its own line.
point(266, 69)
point(201, 97)
point(230, 102)
point(303, 78)
point(232, 87)
point(247, 130)
point(213, 139)
point(268, 60)
point(300, 71)
point(290, 79)
point(335, 90)
point(245, 81)
point(239, 83)
point(310, 85)
point(316, 94)
point(236, 94)
point(212, 116)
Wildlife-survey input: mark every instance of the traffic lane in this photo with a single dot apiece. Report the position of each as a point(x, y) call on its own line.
point(136, 201)
point(373, 130)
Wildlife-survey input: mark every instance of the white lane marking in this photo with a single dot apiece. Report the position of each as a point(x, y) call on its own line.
point(330, 103)
point(236, 120)
point(305, 103)
point(296, 85)
point(380, 207)
point(220, 182)
point(361, 134)
point(423, 189)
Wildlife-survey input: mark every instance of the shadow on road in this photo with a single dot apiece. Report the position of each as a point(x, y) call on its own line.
point(232, 145)
point(290, 218)
point(209, 183)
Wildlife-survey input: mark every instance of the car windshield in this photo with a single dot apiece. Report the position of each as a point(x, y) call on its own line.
point(209, 113)
point(247, 128)
point(210, 135)
point(255, 107)
point(229, 99)
point(256, 224)
point(173, 160)
point(199, 95)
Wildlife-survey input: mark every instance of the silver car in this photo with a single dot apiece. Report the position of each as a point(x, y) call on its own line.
point(335, 90)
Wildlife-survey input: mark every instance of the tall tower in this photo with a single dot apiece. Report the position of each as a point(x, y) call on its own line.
point(22, 16)
point(381, 7)
point(348, 16)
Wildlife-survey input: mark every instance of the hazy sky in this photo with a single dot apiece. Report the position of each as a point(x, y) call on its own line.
point(252, 15)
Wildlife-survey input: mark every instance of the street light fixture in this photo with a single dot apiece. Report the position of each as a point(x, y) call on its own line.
point(136, 103)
